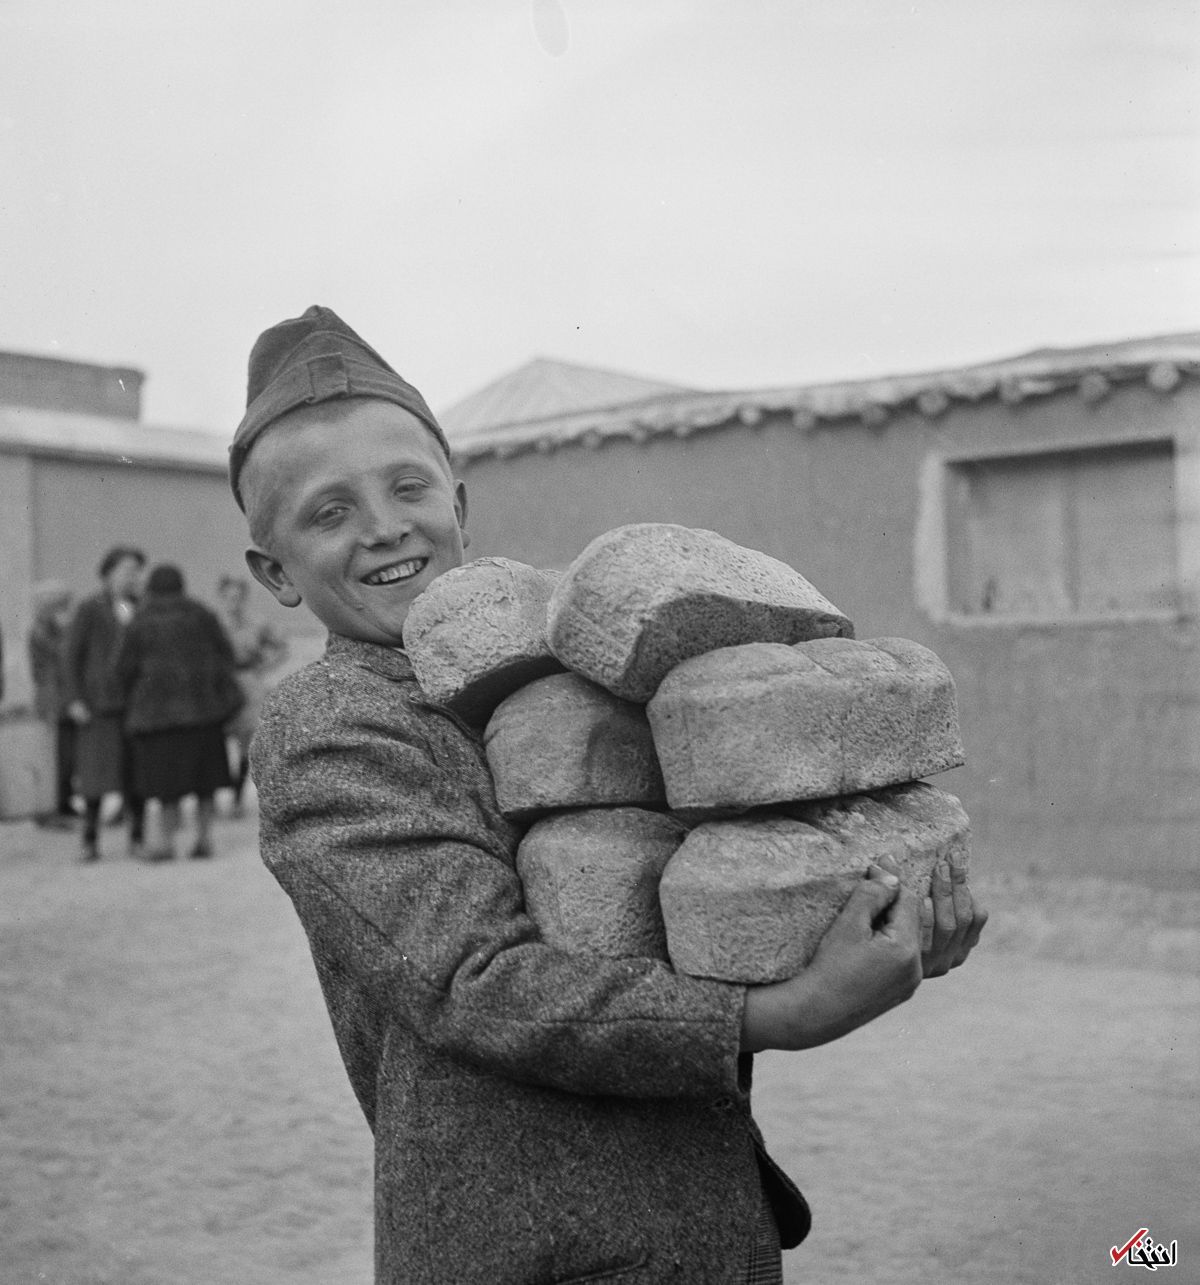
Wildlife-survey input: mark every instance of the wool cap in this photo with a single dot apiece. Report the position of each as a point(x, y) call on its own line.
point(315, 358)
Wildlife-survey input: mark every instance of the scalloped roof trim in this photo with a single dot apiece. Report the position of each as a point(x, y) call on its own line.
point(1163, 362)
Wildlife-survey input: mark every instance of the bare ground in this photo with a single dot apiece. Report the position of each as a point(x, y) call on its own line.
point(172, 1109)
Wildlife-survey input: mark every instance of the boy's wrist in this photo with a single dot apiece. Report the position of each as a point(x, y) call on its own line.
point(778, 1016)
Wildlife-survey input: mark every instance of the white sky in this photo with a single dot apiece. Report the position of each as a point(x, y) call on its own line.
point(722, 193)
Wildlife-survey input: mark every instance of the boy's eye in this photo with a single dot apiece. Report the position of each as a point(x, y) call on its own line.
point(328, 514)
point(410, 485)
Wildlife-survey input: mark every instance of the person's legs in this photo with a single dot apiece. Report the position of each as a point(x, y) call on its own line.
point(64, 754)
point(91, 829)
point(204, 817)
point(239, 780)
point(135, 804)
point(164, 849)
point(238, 758)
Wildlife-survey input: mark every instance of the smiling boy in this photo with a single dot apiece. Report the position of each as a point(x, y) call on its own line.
point(538, 1116)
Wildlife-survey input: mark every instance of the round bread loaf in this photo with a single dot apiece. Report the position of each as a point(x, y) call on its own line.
point(563, 742)
point(641, 598)
point(478, 633)
point(591, 879)
point(741, 727)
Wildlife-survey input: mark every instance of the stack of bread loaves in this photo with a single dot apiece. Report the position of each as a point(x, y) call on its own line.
point(706, 759)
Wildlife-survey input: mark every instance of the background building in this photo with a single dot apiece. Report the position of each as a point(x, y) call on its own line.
point(80, 472)
point(1034, 521)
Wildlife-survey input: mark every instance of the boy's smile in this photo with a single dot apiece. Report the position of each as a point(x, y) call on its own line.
point(362, 514)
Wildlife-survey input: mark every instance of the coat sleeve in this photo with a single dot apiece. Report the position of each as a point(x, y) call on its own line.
point(127, 661)
point(75, 653)
point(221, 643)
point(389, 846)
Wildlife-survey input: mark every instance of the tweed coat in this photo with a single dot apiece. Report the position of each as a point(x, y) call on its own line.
point(538, 1116)
point(174, 667)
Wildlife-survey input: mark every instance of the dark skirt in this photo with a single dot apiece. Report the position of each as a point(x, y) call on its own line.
point(101, 757)
point(185, 760)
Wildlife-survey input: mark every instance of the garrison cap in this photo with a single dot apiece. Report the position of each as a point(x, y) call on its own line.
point(315, 358)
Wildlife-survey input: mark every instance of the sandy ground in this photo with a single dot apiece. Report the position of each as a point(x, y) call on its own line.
point(172, 1109)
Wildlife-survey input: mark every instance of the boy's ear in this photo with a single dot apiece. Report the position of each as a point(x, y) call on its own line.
point(270, 573)
point(460, 507)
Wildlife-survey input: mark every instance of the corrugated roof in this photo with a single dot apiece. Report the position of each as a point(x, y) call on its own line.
point(1162, 361)
point(74, 436)
point(546, 389)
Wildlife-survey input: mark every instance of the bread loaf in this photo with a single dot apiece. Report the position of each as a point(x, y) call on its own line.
point(564, 742)
point(642, 598)
point(591, 879)
point(478, 633)
point(764, 723)
point(749, 900)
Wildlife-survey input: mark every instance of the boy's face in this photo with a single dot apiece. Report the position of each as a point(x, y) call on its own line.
point(360, 514)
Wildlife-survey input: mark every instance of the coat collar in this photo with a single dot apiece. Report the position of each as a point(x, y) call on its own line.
point(391, 662)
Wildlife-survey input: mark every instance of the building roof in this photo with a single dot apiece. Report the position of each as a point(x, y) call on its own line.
point(57, 383)
point(1161, 361)
point(546, 389)
point(68, 435)
point(579, 404)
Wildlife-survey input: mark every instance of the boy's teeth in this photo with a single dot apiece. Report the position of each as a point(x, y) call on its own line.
point(401, 571)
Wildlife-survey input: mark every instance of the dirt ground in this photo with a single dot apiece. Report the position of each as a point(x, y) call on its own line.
point(173, 1112)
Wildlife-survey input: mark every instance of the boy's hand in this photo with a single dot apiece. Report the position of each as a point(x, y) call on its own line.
point(951, 919)
point(868, 962)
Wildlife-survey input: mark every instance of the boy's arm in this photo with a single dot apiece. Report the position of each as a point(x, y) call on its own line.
point(872, 958)
point(868, 962)
point(389, 844)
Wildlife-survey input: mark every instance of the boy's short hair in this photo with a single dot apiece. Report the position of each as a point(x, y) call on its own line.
point(310, 359)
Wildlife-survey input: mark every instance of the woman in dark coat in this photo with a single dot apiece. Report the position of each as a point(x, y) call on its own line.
point(103, 761)
point(176, 670)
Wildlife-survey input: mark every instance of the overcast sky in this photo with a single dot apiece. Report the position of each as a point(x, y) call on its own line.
point(720, 193)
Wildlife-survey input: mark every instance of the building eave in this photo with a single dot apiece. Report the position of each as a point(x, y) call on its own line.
point(69, 435)
point(1161, 362)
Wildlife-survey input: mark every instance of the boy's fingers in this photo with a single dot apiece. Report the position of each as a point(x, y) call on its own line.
point(926, 925)
point(902, 920)
point(964, 906)
point(945, 918)
point(971, 937)
point(872, 895)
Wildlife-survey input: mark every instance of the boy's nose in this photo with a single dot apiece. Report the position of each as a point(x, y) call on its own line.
point(385, 524)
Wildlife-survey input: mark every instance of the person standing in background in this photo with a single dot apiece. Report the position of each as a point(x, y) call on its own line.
point(257, 649)
point(47, 636)
point(175, 671)
point(94, 699)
